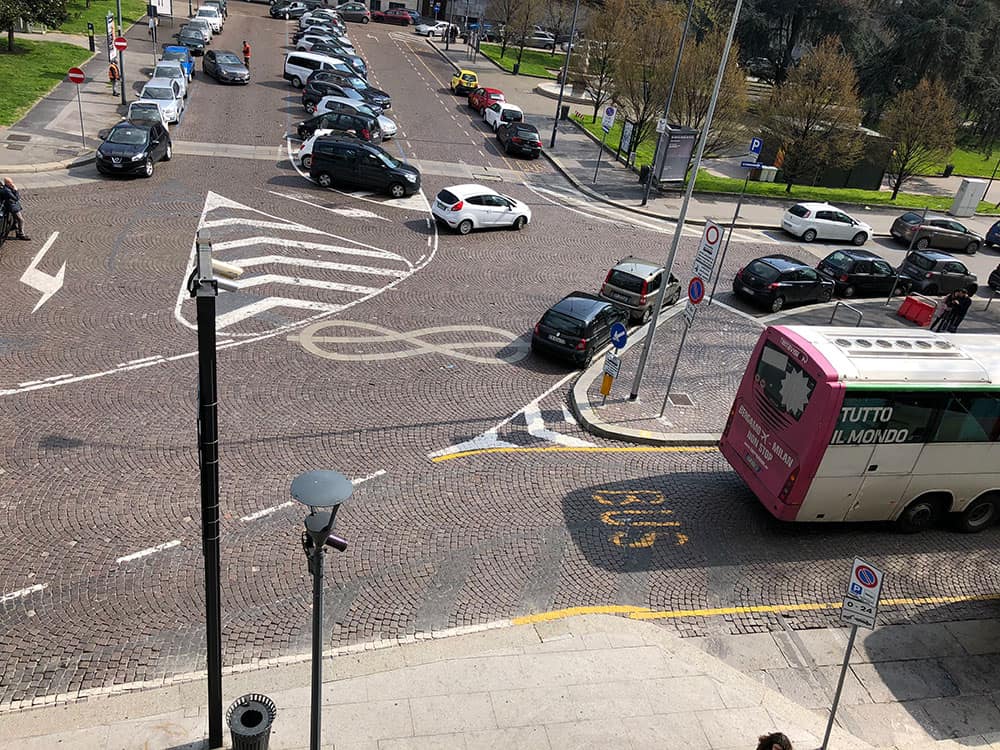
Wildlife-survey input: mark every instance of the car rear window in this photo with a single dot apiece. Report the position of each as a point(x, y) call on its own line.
point(920, 261)
point(624, 280)
point(911, 218)
point(838, 259)
point(447, 197)
point(563, 323)
point(798, 210)
point(763, 270)
point(526, 133)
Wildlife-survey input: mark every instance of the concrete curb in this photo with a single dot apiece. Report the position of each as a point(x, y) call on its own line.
point(591, 421)
point(49, 166)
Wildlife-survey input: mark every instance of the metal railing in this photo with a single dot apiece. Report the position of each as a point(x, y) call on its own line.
point(853, 309)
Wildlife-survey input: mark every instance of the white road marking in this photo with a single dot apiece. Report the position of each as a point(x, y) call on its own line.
point(289, 503)
point(306, 245)
point(537, 428)
point(351, 213)
point(23, 592)
point(41, 281)
point(274, 278)
point(270, 303)
point(324, 264)
point(148, 551)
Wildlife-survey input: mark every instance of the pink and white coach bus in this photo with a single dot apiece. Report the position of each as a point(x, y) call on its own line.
point(869, 424)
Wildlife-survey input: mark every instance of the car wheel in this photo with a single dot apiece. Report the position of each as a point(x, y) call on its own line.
point(777, 303)
point(977, 516)
point(675, 297)
point(169, 154)
point(923, 243)
point(919, 515)
point(809, 235)
point(296, 82)
point(646, 314)
point(364, 20)
point(324, 179)
point(519, 223)
point(148, 167)
point(307, 161)
point(397, 190)
point(901, 287)
point(464, 227)
point(847, 291)
point(859, 239)
point(972, 248)
point(311, 108)
point(826, 294)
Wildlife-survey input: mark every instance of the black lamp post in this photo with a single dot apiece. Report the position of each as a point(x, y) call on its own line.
point(322, 492)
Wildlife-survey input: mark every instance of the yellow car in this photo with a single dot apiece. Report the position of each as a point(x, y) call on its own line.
point(464, 81)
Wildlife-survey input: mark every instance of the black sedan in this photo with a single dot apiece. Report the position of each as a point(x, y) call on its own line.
point(130, 148)
point(860, 273)
point(576, 327)
point(225, 67)
point(776, 280)
point(371, 94)
point(191, 39)
point(520, 138)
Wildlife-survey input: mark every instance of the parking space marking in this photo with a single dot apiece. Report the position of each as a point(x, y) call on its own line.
point(21, 593)
point(148, 551)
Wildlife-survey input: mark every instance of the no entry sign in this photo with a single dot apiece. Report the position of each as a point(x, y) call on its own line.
point(121, 43)
point(76, 76)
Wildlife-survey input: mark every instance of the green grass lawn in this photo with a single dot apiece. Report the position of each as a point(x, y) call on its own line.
point(533, 63)
point(37, 67)
point(711, 183)
point(132, 11)
point(968, 163)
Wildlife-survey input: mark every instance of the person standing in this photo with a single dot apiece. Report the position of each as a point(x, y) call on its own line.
point(942, 321)
point(962, 304)
point(114, 75)
point(246, 53)
point(10, 196)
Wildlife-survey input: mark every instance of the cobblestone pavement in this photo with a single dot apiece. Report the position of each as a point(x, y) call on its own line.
point(492, 502)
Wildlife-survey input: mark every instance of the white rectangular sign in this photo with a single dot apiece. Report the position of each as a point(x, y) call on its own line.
point(856, 612)
point(689, 312)
point(860, 606)
point(110, 30)
point(164, 7)
point(612, 365)
point(708, 250)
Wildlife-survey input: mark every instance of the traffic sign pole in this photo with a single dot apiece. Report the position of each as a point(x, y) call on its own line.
point(77, 77)
point(840, 686)
point(121, 55)
point(725, 248)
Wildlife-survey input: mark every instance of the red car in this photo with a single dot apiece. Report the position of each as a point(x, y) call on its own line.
point(481, 98)
point(402, 16)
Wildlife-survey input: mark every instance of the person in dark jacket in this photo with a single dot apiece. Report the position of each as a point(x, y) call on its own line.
point(962, 304)
point(11, 199)
point(942, 321)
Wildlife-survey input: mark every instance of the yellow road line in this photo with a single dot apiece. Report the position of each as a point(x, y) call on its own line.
point(643, 613)
point(584, 449)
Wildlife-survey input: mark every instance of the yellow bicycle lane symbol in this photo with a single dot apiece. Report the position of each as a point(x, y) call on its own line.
point(639, 519)
point(344, 347)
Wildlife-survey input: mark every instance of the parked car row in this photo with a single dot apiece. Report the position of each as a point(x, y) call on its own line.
point(514, 135)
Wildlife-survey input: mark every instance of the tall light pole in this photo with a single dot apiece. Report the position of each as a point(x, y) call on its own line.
point(648, 343)
point(565, 72)
point(670, 99)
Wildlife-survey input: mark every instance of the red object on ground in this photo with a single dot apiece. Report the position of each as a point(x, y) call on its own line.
point(121, 43)
point(918, 309)
point(76, 76)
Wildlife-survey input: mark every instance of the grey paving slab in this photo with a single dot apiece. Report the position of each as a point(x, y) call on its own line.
point(457, 712)
point(888, 724)
point(817, 647)
point(591, 734)
point(570, 703)
point(746, 653)
point(732, 727)
point(814, 688)
point(683, 694)
point(523, 738)
point(373, 720)
point(977, 636)
point(897, 681)
point(974, 674)
point(670, 732)
point(916, 641)
point(468, 674)
point(961, 716)
point(429, 742)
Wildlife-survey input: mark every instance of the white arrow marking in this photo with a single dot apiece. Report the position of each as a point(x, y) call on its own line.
point(537, 428)
point(47, 285)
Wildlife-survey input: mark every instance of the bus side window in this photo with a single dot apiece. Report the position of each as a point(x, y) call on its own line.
point(969, 418)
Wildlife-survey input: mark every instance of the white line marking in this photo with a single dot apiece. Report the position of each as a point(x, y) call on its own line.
point(269, 303)
point(326, 265)
point(305, 245)
point(289, 503)
point(149, 551)
point(41, 281)
point(57, 377)
point(23, 592)
point(537, 428)
point(568, 415)
point(29, 382)
point(274, 278)
point(139, 361)
point(354, 213)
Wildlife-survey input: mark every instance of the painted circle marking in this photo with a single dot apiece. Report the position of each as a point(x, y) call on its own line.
point(866, 576)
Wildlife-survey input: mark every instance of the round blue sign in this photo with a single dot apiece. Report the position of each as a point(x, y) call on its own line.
point(619, 335)
point(696, 290)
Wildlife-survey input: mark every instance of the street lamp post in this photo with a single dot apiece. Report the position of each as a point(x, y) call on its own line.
point(322, 492)
point(565, 73)
point(670, 99)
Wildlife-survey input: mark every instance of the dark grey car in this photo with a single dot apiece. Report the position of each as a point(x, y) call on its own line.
point(931, 272)
point(637, 284)
point(935, 231)
point(225, 67)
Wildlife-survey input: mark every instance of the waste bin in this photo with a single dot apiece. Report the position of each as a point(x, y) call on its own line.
point(948, 169)
point(250, 719)
point(517, 68)
point(644, 172)
point(564, 112)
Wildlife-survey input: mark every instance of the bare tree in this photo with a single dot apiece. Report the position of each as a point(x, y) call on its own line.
point(526, 15)
point(504, 12)
point(557, 17)
point(597, 56)
point(921, 123)
point(694, 92)
point(814, 116)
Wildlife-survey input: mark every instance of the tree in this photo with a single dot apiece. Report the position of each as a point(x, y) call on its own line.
point(595, 59)
point(921, 123)
point(526, 15)
point(557, 17)
point(642, 74)
point(814, 115)
point(48, 12)
point(504, 12)
point(693, 92)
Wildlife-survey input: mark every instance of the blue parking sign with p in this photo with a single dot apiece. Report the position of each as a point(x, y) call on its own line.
point(756, 144)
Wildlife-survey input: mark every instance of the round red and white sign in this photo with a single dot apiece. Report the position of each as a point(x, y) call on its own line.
point(76, 76)
point(121, 43)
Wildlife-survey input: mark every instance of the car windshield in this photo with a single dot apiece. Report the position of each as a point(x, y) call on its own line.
point(144, 111)
point(127, 136)
point(155, 92)
point(167, 71)
point(178, 56)
point(227, 59)
point(207, 12)
point(563, 323)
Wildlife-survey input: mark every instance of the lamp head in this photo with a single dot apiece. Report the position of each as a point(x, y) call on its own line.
point(321, 491)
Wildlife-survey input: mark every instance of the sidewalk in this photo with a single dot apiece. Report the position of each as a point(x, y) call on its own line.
point(575, 156)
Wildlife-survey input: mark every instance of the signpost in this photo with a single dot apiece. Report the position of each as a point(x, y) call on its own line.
point(121, 44)
point(75, 75)
point(625, 144)
point(612, 362)
point(860, 608)
point(619, 336)
point(110, 22)
point(607, 122)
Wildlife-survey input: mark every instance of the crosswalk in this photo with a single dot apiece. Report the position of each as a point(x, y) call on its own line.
point(292, 272)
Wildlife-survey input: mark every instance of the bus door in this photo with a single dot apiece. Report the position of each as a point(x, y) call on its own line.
point(897, 426)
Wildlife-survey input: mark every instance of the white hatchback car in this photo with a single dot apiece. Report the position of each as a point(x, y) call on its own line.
point(471, 206)
point(212, 15)
point(502, 113)
point(305, 150)
point(811, 221)
point(166, 94)
point(437, 28)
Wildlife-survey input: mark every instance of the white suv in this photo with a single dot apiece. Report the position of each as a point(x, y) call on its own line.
point(502, 113)
point(812, 221)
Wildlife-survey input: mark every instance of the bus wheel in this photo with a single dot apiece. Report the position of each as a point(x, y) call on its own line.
point(919, 515)
point(977, 516)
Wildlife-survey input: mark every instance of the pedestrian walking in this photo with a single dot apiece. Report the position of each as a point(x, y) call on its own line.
point(962, 304)
point(774, 741)
point(246, 53)
point(11, 199)
point(942, 321)
point(152, 27)
point(114, 75)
